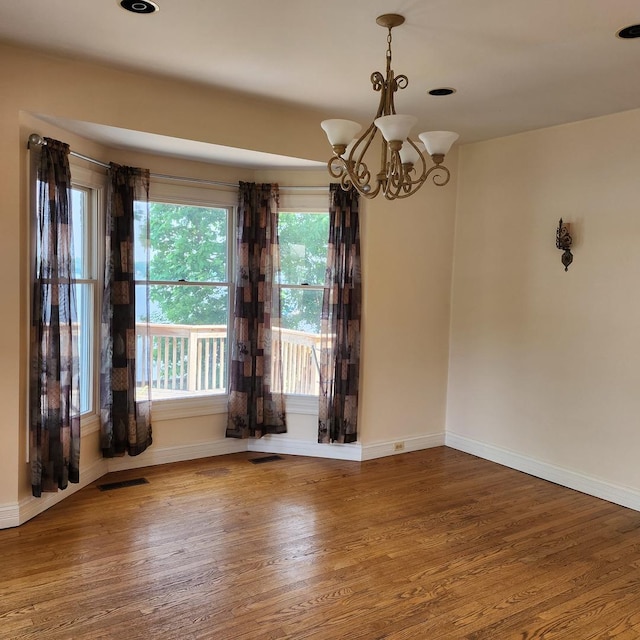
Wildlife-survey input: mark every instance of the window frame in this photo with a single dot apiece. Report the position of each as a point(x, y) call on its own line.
point(94, 184)
point(304, 287)
point(214, 196)
point(303, 200)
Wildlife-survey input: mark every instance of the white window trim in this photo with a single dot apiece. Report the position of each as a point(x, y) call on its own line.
point(96, 182)
point(212, 197)
point(303, 404)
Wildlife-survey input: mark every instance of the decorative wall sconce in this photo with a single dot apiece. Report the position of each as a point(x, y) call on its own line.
point(563, 242)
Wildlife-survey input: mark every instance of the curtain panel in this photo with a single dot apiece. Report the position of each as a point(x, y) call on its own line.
point(54, 389)
point(256, 404)
point(340, 322)
point(125, 416)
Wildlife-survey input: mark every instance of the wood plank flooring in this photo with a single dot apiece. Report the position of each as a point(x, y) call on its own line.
point(430, 545)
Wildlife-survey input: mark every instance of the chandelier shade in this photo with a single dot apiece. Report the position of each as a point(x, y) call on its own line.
point(395, 127)
point(405, 165)
point(340, 132)
point(411, 152)
point(438, 142)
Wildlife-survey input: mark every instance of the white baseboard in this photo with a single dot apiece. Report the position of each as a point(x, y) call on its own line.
point(401, 445)
point(30, 507)
point(355, 451)
point(9, 515)
point(282, 444)
point(596, 487)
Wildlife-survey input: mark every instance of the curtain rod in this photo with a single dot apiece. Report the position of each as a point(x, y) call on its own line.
point(37, 140)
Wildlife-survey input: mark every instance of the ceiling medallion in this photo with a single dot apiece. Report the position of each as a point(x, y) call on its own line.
point(403, 167)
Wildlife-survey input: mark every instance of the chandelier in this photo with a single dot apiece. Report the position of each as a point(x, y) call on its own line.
point(403, 166)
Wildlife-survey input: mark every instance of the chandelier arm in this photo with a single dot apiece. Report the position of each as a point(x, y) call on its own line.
point(360, 182)
point(366, 138)
point(377, 80)
point(400, 82)
point(383, 174)
point(411, 186)
point(421, 177)
point(340, 170)
point(381, 83)
point(436, 178)
point(350, 174)
point(401, 196)
point(345, 182)
point(361, 176)
point(394, 179)
point(355, 165)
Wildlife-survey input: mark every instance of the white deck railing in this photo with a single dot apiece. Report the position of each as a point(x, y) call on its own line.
point(190, 358)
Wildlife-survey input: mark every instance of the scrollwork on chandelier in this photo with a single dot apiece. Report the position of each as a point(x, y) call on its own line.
point(403, 166)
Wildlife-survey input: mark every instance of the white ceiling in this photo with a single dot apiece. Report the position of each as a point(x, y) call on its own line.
point(516, 64)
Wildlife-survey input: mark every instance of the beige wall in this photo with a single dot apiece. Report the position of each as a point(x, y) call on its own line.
point(544, 363)
point(407, 247)
point(406, 250)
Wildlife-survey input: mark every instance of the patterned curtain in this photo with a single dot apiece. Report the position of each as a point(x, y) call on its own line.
point(125, 417)
point(256, 404)
point(54, 398)
point(340, 322)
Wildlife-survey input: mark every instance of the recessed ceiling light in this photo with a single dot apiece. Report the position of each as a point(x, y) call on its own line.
point(632, 31)
point(442, 91)
point(139, 6)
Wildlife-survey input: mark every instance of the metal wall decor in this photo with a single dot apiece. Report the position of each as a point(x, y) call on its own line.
point(564, 242)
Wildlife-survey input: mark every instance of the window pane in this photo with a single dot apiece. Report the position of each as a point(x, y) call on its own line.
point(82, 247)
point(303, 250)
point(303, 247)
point(188, 326)
point(187, 243)
point(84, 302)
point(79, 212)
point(300, 309)
point(300, 335)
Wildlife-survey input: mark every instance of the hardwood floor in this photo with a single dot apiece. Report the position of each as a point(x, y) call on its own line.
point(431, 545)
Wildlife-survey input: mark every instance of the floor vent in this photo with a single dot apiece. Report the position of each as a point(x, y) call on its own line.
point(122, 484)
point(264, 459)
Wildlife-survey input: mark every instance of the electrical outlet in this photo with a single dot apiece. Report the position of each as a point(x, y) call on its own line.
point(398, 446)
